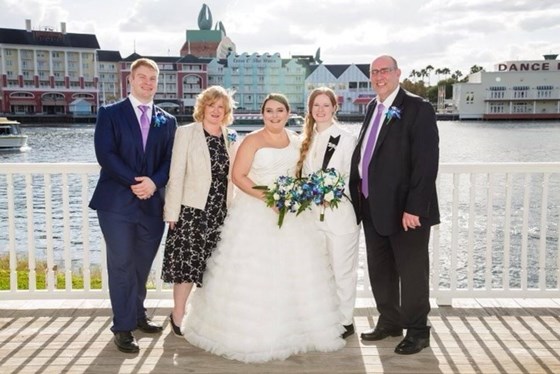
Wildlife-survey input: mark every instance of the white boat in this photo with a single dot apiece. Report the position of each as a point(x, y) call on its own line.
point(10, 135)
point(250, 122)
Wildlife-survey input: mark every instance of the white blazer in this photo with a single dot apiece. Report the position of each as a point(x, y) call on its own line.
point(190, 175)
point(341, 220)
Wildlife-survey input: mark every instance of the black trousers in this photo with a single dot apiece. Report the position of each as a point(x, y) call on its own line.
point(399, 275)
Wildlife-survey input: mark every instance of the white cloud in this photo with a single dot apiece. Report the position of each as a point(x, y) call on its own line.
point(444, 33)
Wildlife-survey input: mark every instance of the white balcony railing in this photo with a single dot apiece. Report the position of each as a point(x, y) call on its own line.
point(499, 235)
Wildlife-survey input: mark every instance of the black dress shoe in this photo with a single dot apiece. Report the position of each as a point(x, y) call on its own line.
point(176, 330)
point(380, 333)
point(411, 344)
point(147, 326)
point(125, 342)
point(349, 331)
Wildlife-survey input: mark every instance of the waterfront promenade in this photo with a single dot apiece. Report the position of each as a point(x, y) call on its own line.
point(471, 336)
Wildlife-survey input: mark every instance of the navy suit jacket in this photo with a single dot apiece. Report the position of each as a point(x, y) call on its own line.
point(403, 168)
point(119, 151)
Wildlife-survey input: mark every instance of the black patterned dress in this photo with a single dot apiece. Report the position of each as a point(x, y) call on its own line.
point(197, 232)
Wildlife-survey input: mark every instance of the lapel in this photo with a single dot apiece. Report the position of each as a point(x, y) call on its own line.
point(331, 147)
point(229, 143)
point(132, 123)
point(387, 123)
point(367, 122)
point(200, 138)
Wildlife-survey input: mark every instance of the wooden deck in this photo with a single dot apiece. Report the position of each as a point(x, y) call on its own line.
point(473, 336)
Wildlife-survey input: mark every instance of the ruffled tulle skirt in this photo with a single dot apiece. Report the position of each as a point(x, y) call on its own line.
point(268, 292)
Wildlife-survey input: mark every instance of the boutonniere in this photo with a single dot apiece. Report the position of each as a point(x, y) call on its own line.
point(231, 137)
point(331, 146)
point(160, 118)
point(393, 112)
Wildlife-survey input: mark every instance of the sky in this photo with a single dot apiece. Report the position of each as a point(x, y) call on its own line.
point(441, 33)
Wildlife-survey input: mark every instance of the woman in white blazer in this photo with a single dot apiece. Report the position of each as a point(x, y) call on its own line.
point(325, 145)
point(197, 194)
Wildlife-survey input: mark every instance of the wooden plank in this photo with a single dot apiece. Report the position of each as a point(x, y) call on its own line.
point(473, 336)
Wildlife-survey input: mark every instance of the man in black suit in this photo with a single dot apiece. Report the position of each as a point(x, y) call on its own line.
point(392, 183)
point(133, 142)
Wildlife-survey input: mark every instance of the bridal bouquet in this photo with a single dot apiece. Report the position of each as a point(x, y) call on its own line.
point(287, 194)
point(328, 189)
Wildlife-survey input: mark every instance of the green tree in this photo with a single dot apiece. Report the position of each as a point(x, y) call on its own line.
point(417, 88)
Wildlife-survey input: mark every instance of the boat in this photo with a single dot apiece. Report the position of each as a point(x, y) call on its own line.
point(10, 135)
point(244, 123)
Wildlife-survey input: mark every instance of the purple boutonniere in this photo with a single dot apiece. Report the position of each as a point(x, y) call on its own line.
point(160, 118)
point(393, 112)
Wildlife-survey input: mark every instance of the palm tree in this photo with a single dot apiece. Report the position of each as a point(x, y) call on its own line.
point(445, 72)
point(457, 75)
point(413, 75)
point(476, 69)
point(429, 70)
point(424, 73)
point(438, 73)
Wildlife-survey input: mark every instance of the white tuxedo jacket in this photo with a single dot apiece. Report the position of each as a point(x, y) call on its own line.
point(341, 220)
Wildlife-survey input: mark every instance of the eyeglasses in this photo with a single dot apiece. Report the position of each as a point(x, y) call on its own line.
point(383, 71)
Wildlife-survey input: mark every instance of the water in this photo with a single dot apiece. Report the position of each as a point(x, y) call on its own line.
point(460, 142)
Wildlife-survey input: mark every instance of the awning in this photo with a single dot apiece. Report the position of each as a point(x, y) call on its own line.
point(362, 100)
point(168, 105)
point(21, 102)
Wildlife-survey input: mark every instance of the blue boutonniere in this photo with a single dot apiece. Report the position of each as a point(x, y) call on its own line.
point(160, 118)
point(232, 137)
point(393, 112)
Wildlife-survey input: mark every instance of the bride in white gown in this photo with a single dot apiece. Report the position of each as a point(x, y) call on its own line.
point(268, 292)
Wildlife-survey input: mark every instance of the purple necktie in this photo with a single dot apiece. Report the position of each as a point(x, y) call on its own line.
point(368, 151)
point(144, 123)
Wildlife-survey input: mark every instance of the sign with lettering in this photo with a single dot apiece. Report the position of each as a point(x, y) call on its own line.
point(533, 66)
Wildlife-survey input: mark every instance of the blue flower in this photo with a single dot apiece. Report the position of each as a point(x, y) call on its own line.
point(160, 118)
point(328, 189)
point(393, 112)
point(232, 137)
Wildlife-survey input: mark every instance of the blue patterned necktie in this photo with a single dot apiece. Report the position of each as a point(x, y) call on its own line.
point(368, 151)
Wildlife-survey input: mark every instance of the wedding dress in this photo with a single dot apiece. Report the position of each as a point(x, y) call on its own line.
point(268, 292)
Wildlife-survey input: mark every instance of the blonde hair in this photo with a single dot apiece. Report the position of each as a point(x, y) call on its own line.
point(151, 64)
point(208, 97)
point(310, 123)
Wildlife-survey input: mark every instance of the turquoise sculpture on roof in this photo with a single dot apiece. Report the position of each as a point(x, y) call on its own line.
point(205, 18)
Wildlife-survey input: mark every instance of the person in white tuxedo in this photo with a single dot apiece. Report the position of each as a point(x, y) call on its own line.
point(326, 144)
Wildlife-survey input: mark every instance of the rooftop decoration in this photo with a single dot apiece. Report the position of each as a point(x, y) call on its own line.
point(205, 18)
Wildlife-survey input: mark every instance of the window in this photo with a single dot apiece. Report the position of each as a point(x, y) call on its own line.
point(496, 108)
point(520, 92)
point(544, 92)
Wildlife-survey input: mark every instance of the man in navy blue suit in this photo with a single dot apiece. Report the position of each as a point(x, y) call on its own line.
point(133, 143)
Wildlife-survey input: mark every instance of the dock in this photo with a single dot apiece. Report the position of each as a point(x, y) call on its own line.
point(471, 336)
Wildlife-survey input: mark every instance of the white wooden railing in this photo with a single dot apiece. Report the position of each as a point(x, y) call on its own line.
point(499, 235)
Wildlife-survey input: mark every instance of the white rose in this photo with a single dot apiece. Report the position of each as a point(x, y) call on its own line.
point(329, 196)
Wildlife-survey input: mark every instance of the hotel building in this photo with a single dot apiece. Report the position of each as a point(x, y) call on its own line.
point(253, 76)
point(44, 71)
point(528, 89)
point(350, 82)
